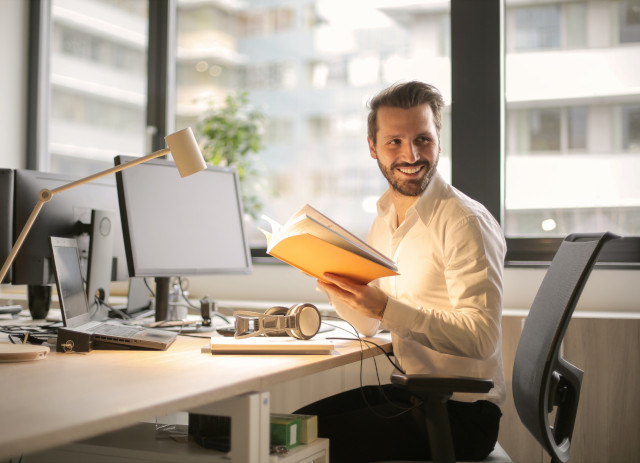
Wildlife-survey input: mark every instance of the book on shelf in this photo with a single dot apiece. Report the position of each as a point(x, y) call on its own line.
point(315, 244)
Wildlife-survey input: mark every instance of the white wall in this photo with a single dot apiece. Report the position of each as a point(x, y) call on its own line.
point(13, 82)
point(607, 290)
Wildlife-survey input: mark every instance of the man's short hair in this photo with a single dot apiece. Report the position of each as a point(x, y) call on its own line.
point(406, 96)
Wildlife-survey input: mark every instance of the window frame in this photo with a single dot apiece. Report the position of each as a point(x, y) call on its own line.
point(477, 113)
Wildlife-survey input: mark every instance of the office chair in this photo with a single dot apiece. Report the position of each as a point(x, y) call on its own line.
point(542, 380)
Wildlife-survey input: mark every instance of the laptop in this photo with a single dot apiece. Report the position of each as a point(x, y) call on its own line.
point(75, 309)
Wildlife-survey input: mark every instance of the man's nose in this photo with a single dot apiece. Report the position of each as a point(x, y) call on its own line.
point(411, 153)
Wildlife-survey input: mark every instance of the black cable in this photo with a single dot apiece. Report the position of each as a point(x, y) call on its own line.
point(192, 305)
point(183, 295)
point(359, 338)
point(99, 302)
point(381, 389)
point(29, 334)
point(151, 291)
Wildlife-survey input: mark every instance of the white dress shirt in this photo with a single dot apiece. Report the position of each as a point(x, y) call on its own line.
point(445, 307)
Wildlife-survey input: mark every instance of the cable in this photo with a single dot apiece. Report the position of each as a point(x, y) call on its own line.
point(151, 291)
point(381, 389)
point(359, 338)
point(29, 334)
point(183, 295)
point(99, 302)
point(192, 305)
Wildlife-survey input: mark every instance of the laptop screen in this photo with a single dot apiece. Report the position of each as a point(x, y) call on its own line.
point(73, 300)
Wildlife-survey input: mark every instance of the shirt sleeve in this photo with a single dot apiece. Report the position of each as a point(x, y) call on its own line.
point(473, 259)
point(366, 326)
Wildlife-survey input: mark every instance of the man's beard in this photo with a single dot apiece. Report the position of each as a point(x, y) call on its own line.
point(406, 187)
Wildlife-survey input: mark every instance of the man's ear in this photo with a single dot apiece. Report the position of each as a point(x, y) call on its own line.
point(372, 149)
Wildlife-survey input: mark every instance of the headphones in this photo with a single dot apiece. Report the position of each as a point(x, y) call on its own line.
point(301, 321)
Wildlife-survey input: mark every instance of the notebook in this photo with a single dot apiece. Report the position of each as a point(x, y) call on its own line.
point(268, 345)
point(75, 309)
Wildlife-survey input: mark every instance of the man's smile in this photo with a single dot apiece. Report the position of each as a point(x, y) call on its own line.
point(410, 170)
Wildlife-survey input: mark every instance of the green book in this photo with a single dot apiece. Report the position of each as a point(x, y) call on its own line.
point(285, 431)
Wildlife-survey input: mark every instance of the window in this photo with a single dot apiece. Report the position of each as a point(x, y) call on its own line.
point(631, 128)
point(570, 141)
point(559, 25)
point(96, 85)
point(571, 118)
point(538, 27)
point(577, 128)
point(311, 67)
point(544, 129)
point(629, 14)
point(559, 130)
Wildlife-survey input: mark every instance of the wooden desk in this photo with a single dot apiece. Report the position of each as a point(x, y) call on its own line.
point(69, 397)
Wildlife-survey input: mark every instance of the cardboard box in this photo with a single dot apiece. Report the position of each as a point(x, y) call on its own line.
point(285, 430)
point(308, 426)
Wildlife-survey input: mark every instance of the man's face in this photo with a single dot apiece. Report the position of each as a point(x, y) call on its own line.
point(407, 148)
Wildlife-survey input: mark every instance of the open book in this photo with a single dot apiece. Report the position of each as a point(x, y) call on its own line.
point(316, 245)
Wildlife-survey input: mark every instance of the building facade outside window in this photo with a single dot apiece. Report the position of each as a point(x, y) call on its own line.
point(572, 120)
point(571, 86)
point(97, 84)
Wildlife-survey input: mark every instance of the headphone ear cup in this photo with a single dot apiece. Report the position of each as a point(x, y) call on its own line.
point(308, 321)
point(278, 311)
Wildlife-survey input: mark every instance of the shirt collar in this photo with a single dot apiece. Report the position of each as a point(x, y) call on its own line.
point(424, 206)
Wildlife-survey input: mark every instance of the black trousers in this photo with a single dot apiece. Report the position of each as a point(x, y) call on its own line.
point(382, 422)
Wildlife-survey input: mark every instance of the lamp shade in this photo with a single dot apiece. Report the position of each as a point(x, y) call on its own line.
point(185, 151)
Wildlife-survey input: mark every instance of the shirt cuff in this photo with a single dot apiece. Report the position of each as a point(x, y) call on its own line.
point(399, 317)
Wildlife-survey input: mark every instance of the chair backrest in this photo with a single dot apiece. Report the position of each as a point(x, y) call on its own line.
point(543, 380)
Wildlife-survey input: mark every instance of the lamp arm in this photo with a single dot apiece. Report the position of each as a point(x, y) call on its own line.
point(45, 195)
point(113, 170)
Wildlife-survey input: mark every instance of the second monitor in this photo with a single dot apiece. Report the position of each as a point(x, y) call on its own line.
point(176, 226)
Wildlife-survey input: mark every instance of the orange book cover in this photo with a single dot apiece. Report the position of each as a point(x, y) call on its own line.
point(316, 245)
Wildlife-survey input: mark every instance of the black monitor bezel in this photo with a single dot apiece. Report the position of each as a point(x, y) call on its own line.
point(35, 251)
point(6, 219)
point(134, 270)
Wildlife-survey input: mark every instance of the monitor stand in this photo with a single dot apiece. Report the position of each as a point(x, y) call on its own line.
point(164, 314)
point(100, 264)
point(163, 288)
point(166, 300)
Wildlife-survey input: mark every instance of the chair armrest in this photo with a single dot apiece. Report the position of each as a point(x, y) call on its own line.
point(434, 392)
point(420, 383)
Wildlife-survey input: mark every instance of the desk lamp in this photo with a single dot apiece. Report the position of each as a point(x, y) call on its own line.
point(186, 154)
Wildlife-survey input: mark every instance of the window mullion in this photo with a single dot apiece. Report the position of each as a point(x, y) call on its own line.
point(477, 100)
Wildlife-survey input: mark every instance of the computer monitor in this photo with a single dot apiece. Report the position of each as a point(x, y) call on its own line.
point(175, 226)
point(6, 218)
point(66, 215)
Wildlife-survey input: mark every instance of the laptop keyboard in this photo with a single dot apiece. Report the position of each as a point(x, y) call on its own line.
point(116, 330)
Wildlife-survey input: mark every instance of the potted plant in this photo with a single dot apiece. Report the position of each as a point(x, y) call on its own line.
point(231, 135)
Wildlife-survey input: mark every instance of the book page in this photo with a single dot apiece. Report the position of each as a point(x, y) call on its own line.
point(331, 225)
point(308, 220)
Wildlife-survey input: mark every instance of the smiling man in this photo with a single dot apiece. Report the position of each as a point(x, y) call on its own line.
point(443, 310)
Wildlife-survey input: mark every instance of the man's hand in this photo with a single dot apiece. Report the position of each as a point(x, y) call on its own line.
point(368, 300)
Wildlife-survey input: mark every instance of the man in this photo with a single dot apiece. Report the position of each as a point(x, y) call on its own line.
point(443, 310)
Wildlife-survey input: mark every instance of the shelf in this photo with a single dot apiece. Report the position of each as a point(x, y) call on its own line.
point(140, 443)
